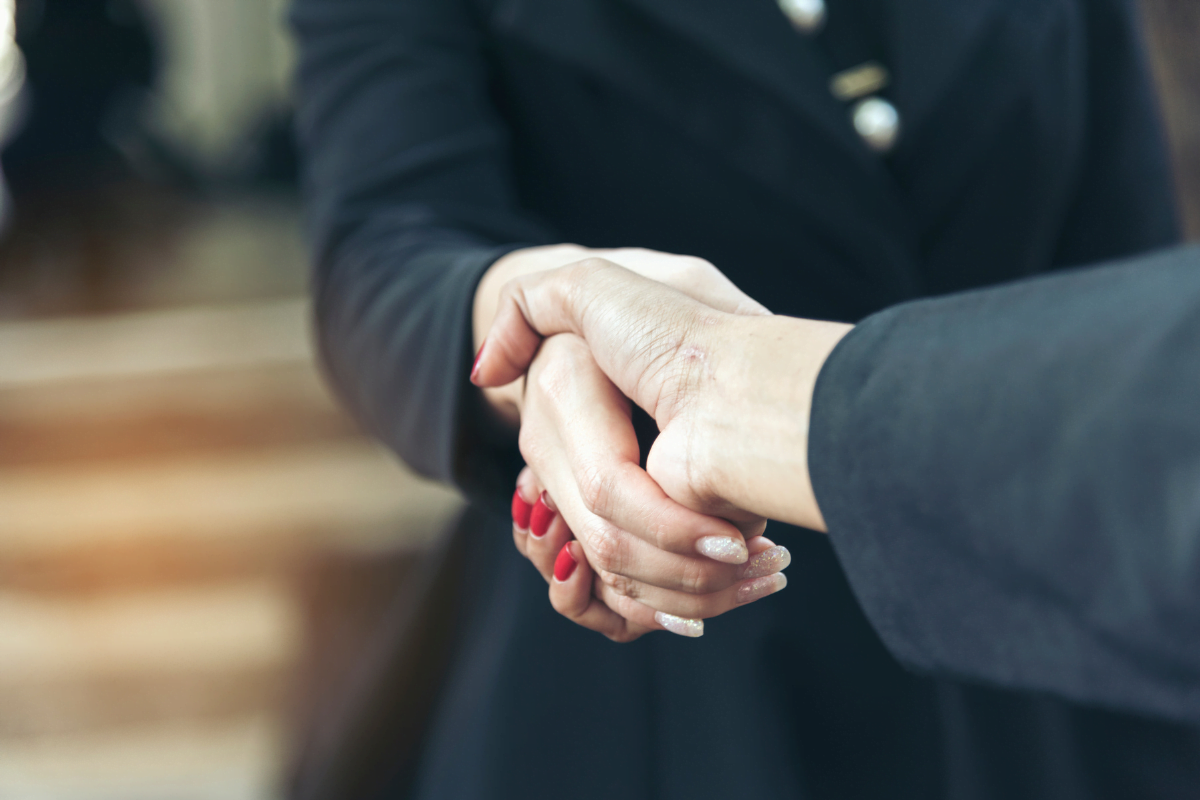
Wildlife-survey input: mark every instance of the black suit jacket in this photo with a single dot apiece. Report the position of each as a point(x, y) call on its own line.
point(1012, 479)
point(439, 134)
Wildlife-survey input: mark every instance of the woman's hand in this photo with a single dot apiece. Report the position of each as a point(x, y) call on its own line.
point(657, 564)
point(693, 276)
point(588, 451)
point(731, 394)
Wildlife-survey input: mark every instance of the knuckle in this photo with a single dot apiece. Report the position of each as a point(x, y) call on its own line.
point(626, 587)
point(607, 548)
point(529, 444)
point(552, 378)
point(596, 491)
point(697, 578)
point(590, 267)
point(695, 265)
point(663, 532)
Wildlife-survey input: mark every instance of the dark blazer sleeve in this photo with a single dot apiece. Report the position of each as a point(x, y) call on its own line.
point(410, 200)
point(1011, 479)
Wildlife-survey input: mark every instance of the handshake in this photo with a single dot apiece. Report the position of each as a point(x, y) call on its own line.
point(569, 339)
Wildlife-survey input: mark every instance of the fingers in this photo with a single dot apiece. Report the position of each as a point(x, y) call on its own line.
point(630, 322)
point(623, 609)
point(611, 549)
point(760, 577)
point(578, 423)
point(523, 499)
point(539, 532)
point(571, 595)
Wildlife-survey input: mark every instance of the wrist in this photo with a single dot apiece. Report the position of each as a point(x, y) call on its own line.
point(753, 410)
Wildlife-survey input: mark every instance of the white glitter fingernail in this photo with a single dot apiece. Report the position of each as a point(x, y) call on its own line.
point(680, 625)
point(768, 562)
point(725, 549)
point(759, 588)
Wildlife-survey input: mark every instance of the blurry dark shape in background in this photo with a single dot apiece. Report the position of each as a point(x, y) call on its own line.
point(102, 160)
point(89, 67)
point(92, 68)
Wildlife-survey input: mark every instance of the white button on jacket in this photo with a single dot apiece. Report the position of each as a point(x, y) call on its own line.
point(806, 15)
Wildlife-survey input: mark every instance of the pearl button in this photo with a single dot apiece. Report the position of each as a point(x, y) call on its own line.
point(878, 123)
point(806, 15)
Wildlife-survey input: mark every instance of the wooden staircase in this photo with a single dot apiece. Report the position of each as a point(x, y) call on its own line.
point(163, 475)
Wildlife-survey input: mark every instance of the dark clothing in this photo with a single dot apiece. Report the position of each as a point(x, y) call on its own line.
point(440, 134)
point(1011, 478)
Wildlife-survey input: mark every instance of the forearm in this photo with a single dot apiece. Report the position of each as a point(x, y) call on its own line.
point(1009, 477)
point(392, 318)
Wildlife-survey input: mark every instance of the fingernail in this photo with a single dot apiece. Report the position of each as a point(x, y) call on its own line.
point(723, 548)
point(520, 511)
point(475, 366)
point(692, 628)
point(540, 518)
point(759, 588)
point(767, 562)
point(564, 565)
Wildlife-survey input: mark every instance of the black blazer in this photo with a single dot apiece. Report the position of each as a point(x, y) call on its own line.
point(1012, 479)
point(439, 134)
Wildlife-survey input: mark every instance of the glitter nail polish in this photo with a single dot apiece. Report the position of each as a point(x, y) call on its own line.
point(761, 587)
point(725, 549)
point(692, 628)
point(767, 562)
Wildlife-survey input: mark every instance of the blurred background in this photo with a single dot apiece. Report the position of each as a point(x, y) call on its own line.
point(195, 543)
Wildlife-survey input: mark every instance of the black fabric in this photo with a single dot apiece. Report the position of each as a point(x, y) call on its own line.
point(1012, 479)
point(439, 134)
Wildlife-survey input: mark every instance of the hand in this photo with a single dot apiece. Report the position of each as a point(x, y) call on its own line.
point(543, 436)
point(731, 394)
point(693, 276)
point(657, 564)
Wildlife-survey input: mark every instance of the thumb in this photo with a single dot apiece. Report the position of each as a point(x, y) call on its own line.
point(632, 324)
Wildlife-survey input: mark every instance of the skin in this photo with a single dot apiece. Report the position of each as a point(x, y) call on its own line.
point(731, 395)
point(578, 440)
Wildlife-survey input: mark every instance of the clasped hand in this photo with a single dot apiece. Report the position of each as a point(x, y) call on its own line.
point(626, 551)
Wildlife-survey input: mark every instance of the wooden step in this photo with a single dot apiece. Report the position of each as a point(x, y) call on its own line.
point(132, 658)
point(234, 760)
point(346, 493)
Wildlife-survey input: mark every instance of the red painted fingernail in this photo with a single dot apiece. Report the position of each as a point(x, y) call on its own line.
point(540, 518)
point(475, 366)
point(520, 511)
point(564, 565)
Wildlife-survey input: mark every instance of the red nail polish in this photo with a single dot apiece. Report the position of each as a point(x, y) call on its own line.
point(475, 366)
point(540, 518)
point(564, 565)
point(520, 511)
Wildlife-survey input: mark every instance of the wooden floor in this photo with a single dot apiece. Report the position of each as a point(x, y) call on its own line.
point(165, 472)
